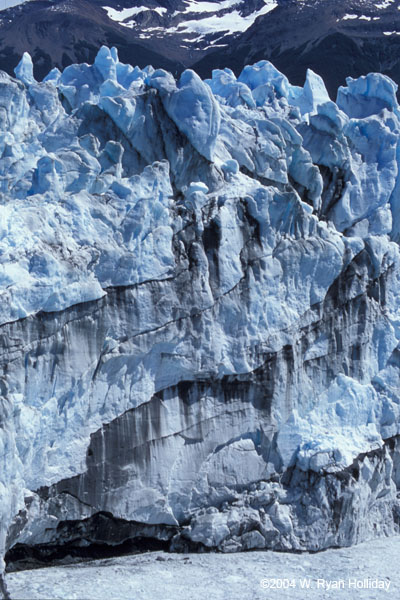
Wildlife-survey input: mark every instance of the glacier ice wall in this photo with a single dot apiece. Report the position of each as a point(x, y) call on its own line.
point(200, 311)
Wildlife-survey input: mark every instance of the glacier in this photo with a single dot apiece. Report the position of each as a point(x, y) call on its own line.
point(200, 317)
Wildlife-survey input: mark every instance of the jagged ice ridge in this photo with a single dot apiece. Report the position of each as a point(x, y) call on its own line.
point(200, 307)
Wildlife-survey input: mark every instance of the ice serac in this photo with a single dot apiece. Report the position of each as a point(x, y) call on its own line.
point(191, 106)
point(200, 316)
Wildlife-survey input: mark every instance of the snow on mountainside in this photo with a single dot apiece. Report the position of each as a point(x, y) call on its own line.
point(211, 17)
point(336, 38)
point(200, 317)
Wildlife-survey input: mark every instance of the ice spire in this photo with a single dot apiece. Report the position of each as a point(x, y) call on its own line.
point(24, 70)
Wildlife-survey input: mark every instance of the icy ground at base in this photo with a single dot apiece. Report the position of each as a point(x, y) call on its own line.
point(217, 577)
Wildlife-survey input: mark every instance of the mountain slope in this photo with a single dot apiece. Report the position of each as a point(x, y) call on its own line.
point(336, 38)
point(57, 34)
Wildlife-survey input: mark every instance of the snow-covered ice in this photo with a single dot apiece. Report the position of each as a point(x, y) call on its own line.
point(329, 575)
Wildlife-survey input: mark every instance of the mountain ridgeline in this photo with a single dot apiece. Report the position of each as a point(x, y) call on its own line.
point(335, 38)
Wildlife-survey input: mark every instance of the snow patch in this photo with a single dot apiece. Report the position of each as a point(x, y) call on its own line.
point(122, 15)
point(232, 22)
point(384, 4)
point(193, 6)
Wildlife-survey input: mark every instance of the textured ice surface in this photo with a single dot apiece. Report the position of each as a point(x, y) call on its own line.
point(240, 576)
point(199, 286)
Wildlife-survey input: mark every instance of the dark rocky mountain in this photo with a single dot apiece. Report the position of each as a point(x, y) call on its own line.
point(60, 33)
point(335, 38)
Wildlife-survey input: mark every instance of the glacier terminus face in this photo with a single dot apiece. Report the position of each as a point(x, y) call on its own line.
point(200, 309)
